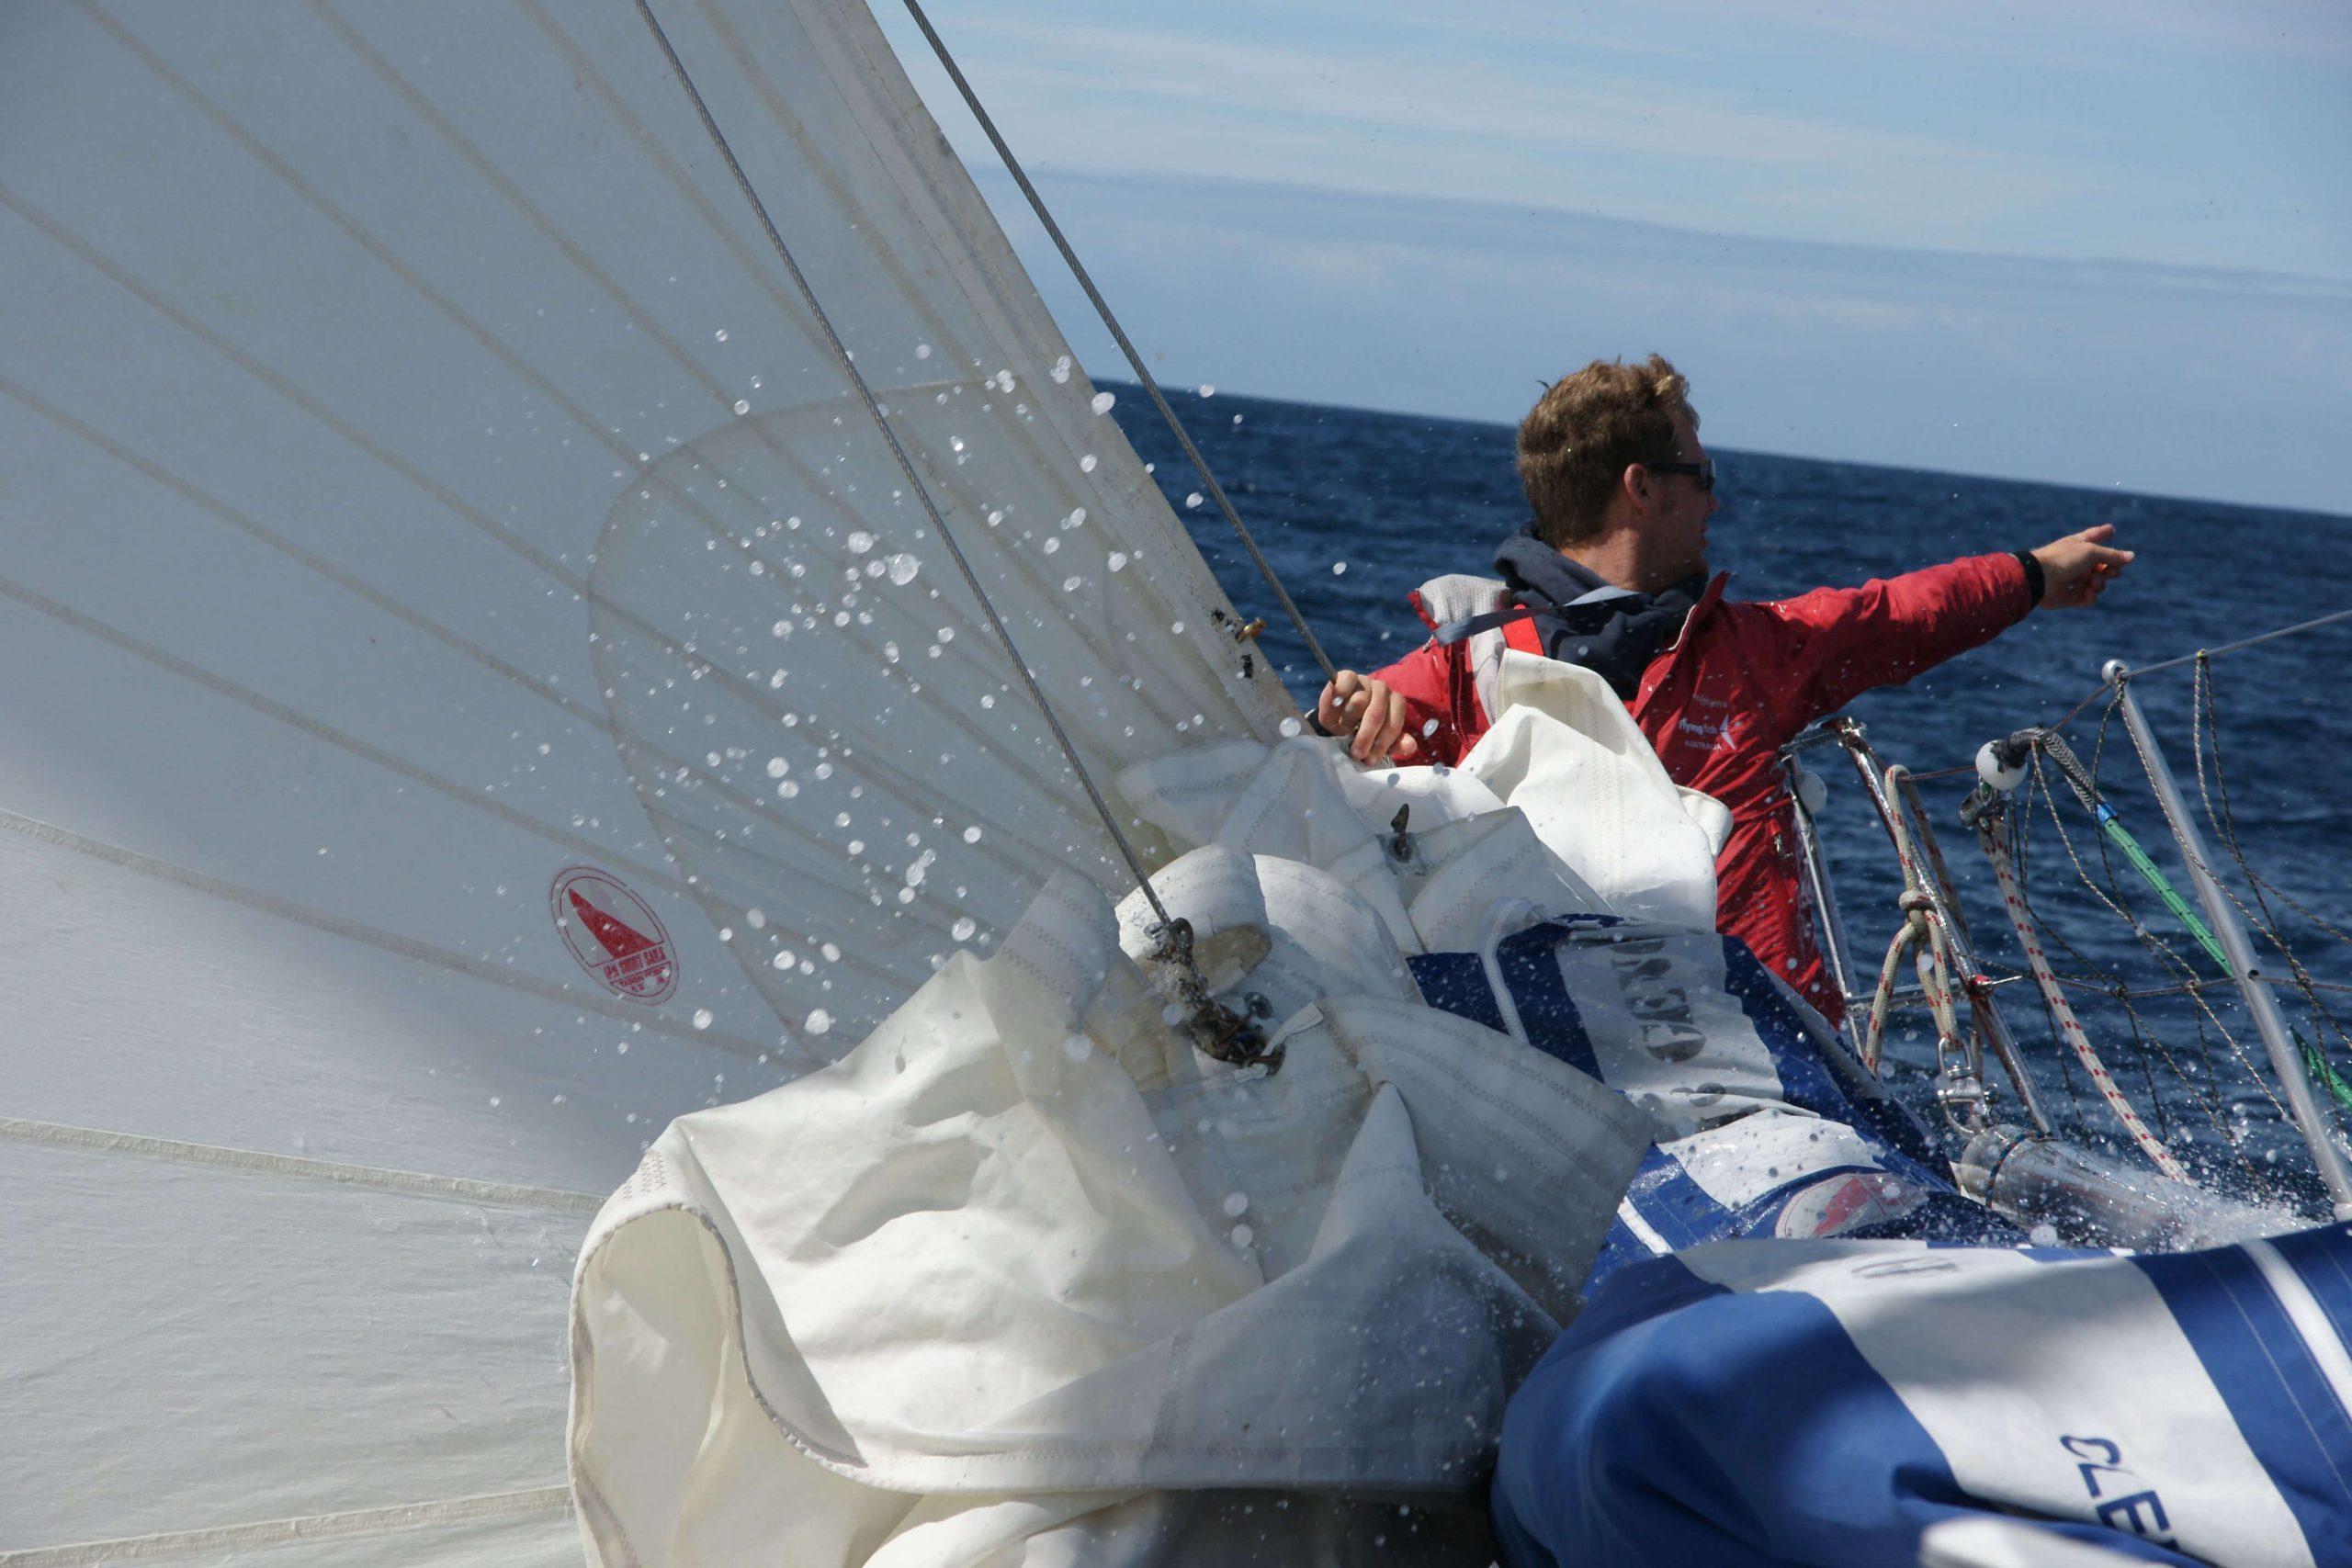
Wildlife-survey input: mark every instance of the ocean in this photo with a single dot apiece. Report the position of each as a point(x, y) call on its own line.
point(1355, 509)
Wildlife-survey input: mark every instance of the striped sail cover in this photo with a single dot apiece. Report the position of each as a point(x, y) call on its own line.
point(1752, 1402)
point(1767, 1124)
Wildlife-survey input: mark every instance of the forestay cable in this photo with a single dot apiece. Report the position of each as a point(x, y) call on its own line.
point(1224, 1033)
point(1118, 333)
point(906, 465)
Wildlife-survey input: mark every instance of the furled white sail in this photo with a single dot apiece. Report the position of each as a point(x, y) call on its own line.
point(473, 686)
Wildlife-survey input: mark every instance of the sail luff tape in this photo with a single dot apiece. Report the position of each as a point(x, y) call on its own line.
point(282, 1532)
point(1134, 360)
point(906, 464)
point(463, 1188)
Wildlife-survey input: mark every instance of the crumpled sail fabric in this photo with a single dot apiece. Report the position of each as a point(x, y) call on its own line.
point(427, 485)
point(1025, 1267)
point(1761, 1402)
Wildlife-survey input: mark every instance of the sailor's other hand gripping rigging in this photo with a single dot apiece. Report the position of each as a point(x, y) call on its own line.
point(1372, 713)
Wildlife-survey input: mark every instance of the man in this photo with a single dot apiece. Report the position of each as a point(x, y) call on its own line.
point(1612, 575)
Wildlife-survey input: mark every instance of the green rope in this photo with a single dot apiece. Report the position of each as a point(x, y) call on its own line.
point(2316, 1063)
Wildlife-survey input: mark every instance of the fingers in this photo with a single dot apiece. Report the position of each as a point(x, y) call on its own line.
point(2079, 567)
point(1383, 720)
point(1395, 742)
point(1370, 714)
point(1332, 709)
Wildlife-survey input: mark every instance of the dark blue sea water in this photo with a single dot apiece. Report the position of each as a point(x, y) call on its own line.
point(1356, 509)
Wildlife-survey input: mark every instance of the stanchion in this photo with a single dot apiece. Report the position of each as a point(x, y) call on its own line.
point(2221, 914)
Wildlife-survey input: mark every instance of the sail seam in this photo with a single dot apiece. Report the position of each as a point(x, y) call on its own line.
point(914, 481)
point(64, 1136)
point(645, 323)
point(488, 341)
point(458, 505)
point(270, 707)
point(672, 763)
point(307, 1527)
point(369, 936)
point(1043, 463)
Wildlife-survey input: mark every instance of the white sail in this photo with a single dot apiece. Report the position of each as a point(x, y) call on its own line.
point(474, 687)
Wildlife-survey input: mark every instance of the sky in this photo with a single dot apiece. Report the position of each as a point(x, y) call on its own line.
point(2089, 242)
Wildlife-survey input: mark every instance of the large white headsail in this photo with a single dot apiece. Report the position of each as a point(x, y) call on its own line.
point(473, 685)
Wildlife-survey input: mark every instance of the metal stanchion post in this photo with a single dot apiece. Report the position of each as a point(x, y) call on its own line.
point(2221, 914)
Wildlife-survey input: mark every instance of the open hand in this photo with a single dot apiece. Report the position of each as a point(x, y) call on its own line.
point(1366, 709)
point(2076, 570)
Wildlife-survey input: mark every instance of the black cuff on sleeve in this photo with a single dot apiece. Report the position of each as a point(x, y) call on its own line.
point(2033, 579)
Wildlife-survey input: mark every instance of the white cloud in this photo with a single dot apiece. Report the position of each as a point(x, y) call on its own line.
point(2066, 371)
point(1159, 101)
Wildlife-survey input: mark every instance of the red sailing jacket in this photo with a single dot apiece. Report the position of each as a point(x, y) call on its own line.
point(1740, 681)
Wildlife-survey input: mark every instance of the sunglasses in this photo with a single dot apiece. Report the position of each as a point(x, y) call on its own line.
point(1703, 472)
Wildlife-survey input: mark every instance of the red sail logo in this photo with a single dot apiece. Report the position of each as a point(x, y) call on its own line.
point(614, 934)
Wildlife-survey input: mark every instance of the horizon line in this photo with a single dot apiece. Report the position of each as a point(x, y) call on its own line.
point(1121, 383)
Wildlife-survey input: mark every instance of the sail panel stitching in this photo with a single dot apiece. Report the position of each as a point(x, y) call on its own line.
point(308, 1527)
point(464, 1188)
point(369, 936)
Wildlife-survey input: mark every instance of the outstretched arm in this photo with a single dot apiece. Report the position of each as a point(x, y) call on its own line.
point(1837, 643)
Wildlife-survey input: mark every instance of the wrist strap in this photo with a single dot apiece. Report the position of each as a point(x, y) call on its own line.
point(2034, 581)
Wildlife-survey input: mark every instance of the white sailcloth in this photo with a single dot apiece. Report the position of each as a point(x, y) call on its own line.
point(473, 688)
point(1025, 1278)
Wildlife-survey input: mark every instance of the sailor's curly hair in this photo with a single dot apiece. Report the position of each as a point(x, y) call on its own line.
point(1576, 442)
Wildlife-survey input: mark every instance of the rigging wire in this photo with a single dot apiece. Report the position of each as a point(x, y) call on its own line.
point(1135, 359)
point(2241, 642)
point(2167, 960)
point(2204, 725)
point(2115, 685)
point(1224, 1033)
point(906, 465)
